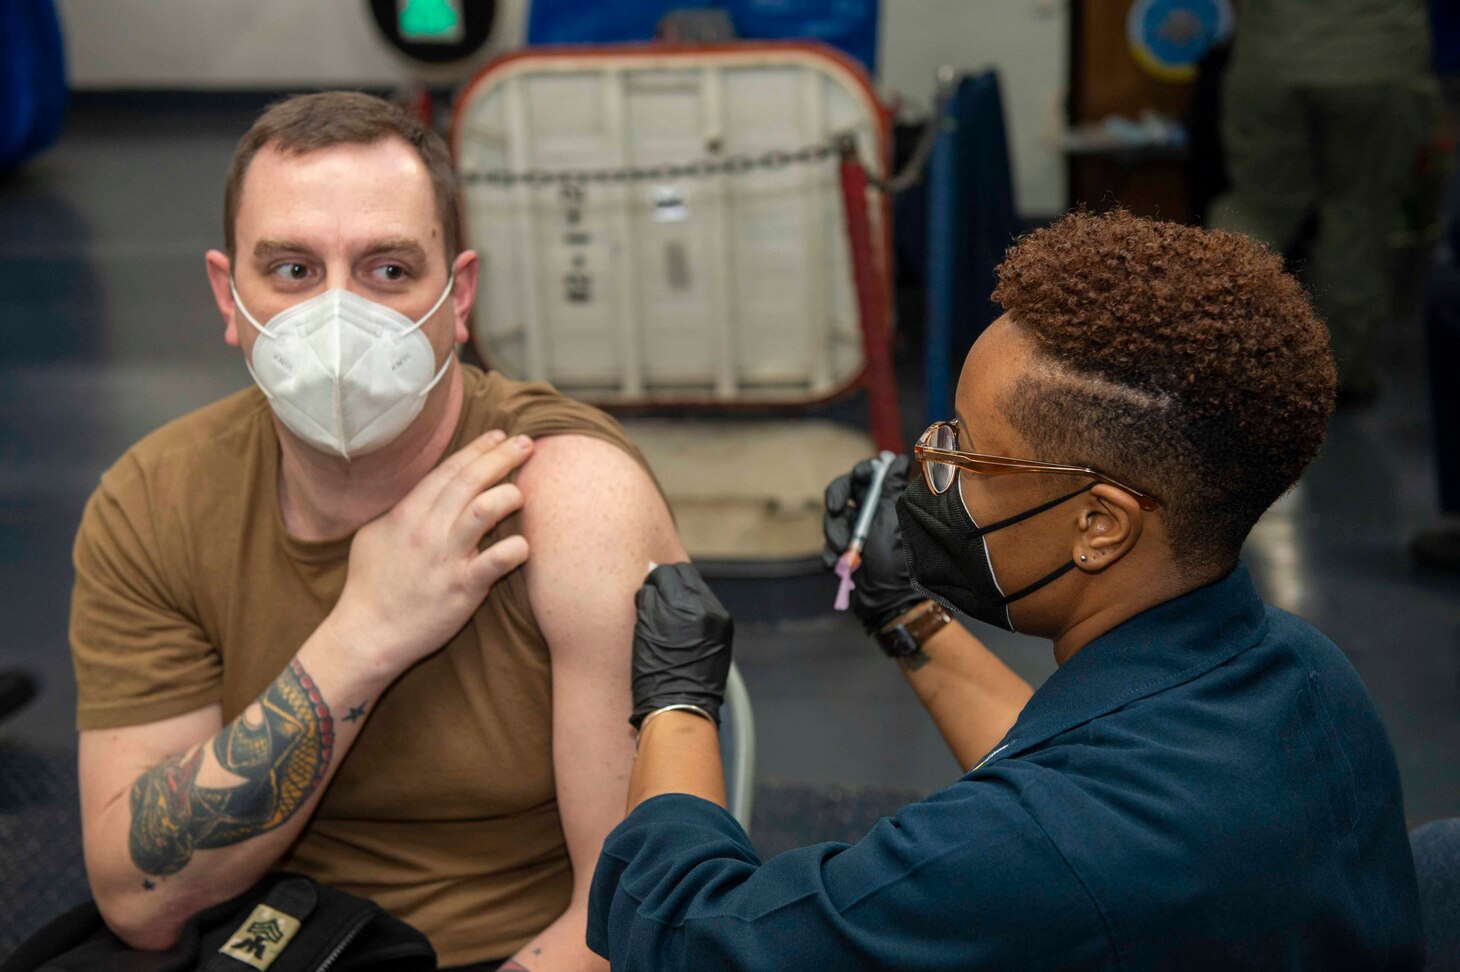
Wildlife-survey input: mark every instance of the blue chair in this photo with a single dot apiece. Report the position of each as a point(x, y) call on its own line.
point(1436, 849)
point(737, 748)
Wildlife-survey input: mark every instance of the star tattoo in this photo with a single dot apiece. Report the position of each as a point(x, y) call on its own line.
point(147, 885)
point(355, 712)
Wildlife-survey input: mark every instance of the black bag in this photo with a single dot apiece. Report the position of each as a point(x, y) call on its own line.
point(285, 923)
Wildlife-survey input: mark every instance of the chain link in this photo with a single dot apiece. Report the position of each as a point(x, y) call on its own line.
point(731, 165)
point(734, 165)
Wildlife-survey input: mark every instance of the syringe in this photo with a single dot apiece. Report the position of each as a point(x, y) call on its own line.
point(851, 558)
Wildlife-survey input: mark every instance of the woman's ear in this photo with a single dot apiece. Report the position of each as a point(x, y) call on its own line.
point(1110, 523)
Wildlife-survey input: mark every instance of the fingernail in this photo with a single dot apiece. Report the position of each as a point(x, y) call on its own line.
point(521, 442)
point(496, 435)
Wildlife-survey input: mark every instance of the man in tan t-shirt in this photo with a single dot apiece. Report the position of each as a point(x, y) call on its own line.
point(301, 636)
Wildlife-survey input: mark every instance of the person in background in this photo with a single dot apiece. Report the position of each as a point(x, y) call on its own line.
point(1326, 105)
point(301, 637)
point(1438, 547)
point(1203, 783)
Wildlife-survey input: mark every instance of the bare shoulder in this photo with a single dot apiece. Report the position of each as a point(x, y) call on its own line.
point(576, 487)
point(593, 519)
point(563, 464)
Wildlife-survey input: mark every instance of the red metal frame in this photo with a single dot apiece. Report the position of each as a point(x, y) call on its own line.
point(872, 304)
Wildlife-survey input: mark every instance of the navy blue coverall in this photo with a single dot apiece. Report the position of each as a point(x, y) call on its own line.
point(1206, 786)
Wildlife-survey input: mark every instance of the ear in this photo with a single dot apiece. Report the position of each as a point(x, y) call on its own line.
point(220, 273)
point(1110, 523)
point(464, 291)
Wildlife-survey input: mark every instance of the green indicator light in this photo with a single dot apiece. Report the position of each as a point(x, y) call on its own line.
point(430, 21)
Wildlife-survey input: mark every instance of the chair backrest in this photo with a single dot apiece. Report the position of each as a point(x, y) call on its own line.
point(1436, 849)
point(737, 748)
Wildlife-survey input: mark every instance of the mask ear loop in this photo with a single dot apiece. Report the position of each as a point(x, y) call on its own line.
point(1053, 575)
point(441, 372)
point(1021, 517)
point(238, 302)
point(450, 283)
point(1044, 581)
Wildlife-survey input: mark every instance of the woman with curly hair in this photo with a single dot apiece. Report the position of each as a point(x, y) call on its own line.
point(1204, 781)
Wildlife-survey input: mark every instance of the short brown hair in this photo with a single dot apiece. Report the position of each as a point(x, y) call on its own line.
point(1187, 362)
point(306, 123)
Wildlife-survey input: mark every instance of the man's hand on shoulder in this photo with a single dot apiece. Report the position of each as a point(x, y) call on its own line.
point(416, 574)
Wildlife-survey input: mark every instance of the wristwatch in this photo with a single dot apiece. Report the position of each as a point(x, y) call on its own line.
point(908, 638)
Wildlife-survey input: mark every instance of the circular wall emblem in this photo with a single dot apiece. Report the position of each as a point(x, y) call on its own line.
point(1170, 37)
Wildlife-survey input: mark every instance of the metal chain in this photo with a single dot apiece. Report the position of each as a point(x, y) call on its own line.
point(732, 165)
point(912, 172)
point(703, 168)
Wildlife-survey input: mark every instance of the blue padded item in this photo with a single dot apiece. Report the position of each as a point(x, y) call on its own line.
point(1436, 849)
point(850, 25)
point(970, 223)
point(32, 79)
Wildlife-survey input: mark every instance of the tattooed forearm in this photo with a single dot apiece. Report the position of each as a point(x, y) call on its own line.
point(281, 759)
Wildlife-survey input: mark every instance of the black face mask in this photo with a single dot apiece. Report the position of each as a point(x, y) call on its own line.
point(948, 558)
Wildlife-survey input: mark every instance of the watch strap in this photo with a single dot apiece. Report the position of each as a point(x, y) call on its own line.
point(908, 638)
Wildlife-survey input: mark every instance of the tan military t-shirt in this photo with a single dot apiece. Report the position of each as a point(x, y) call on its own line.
point(189, 591)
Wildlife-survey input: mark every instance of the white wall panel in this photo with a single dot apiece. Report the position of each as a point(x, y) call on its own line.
point(1026, 40)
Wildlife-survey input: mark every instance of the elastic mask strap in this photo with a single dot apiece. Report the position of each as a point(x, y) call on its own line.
point(450, 353)
point(450, 281)
point(238, 302)
point(1047, 579)
point(255, 376)
point(1019, 518)
point(440, 372)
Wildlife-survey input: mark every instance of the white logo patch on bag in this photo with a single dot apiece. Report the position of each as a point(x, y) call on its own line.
point(264, 934)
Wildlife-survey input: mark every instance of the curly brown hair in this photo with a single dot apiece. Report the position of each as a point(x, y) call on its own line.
point(1185, 360)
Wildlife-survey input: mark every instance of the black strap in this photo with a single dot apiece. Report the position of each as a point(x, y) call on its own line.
point(1048, 578)
point(1020, 517)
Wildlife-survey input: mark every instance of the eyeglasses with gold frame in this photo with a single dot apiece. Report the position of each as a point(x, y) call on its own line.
point(936, 450)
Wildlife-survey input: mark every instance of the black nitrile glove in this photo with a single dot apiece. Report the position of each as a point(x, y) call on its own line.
point(884, 589)
point(681, 643)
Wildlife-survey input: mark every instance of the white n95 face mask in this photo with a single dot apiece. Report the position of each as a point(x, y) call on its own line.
point(343, 373)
